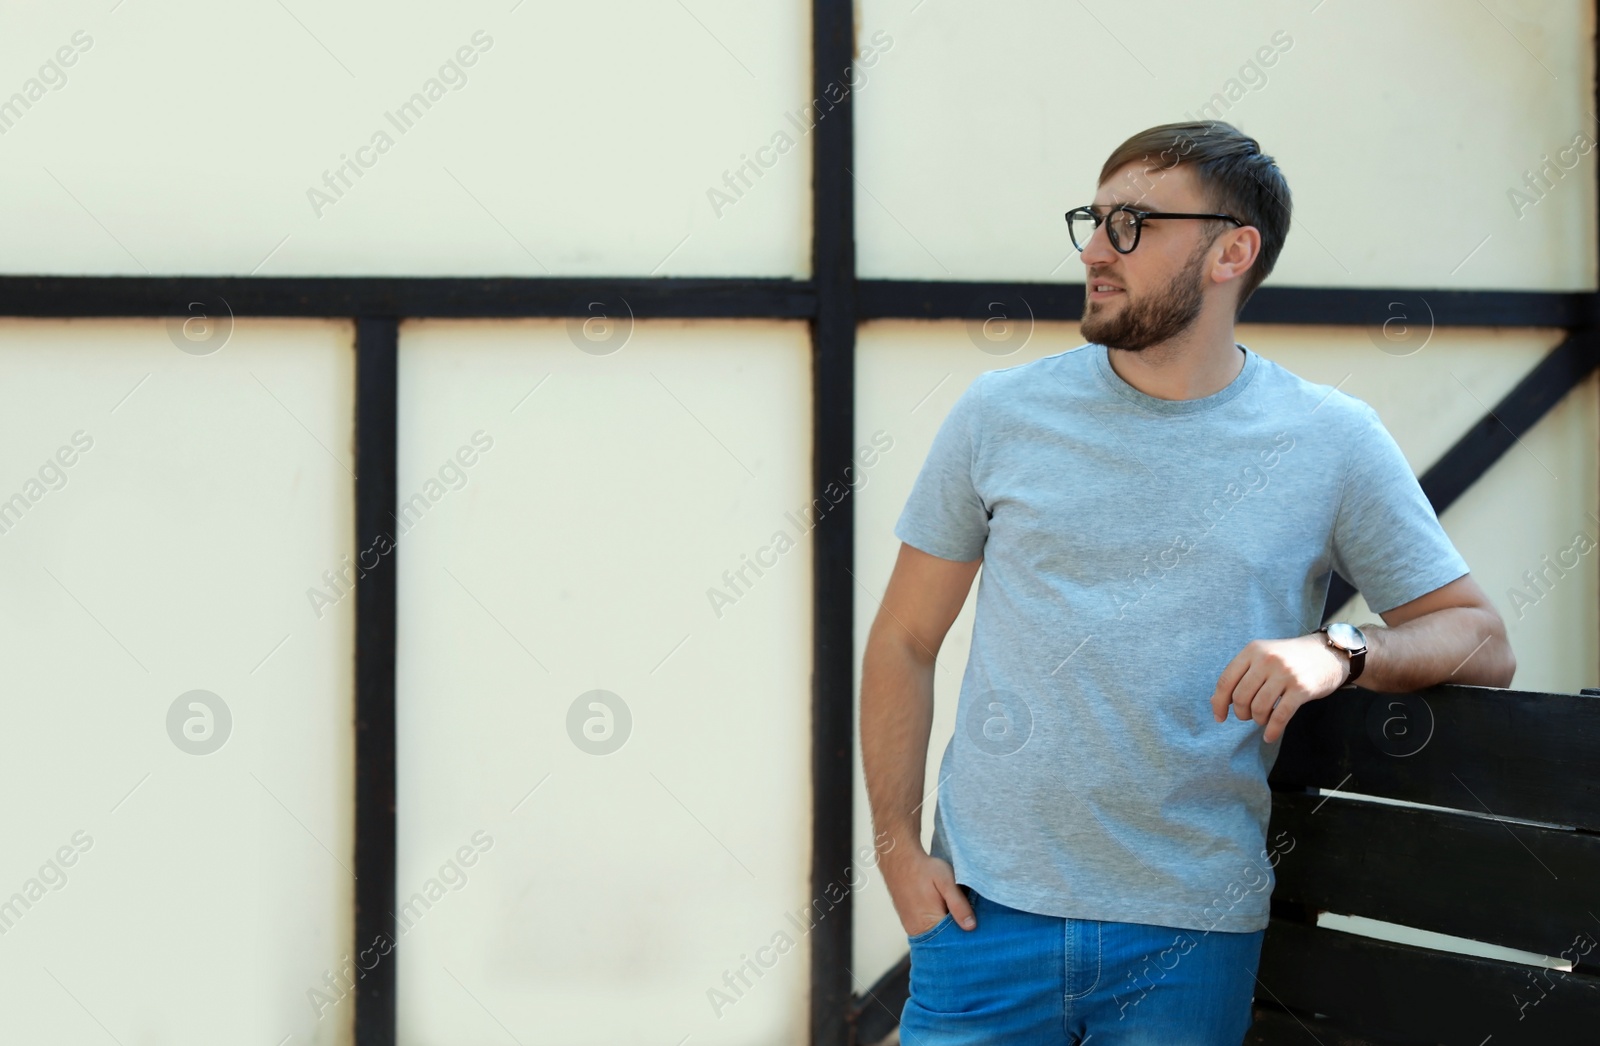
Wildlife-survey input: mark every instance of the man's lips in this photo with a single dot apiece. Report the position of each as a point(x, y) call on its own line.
point(1102, 289)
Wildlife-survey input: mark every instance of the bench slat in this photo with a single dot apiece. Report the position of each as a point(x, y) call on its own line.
point(1401, 993)
point(1509, 753)
point(1516, 885)
point(1277, 1028)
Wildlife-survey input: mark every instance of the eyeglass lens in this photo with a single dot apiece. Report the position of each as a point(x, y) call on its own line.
point(1122, 229)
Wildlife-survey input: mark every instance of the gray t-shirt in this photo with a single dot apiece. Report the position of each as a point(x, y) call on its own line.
point(1132, 546)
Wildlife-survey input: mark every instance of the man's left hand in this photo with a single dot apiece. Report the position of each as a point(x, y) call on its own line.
point(1270, 679)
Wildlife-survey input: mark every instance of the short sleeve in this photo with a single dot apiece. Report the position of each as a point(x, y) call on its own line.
point(1387, 541)
point(945, 516)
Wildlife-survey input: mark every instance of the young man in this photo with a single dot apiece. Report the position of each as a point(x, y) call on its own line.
point(1158, 513)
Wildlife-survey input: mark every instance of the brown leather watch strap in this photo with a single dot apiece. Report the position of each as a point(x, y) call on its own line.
point(1358, 661)
point(1357, 658)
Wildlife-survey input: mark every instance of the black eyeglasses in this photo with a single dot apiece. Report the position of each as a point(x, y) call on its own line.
point(1123, 225)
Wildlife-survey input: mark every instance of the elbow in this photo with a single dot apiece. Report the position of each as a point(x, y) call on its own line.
point(1504, 660)
point(1508, 663)
point(1492, 662)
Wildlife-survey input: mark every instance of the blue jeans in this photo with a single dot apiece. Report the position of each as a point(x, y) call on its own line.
point(1021, 979)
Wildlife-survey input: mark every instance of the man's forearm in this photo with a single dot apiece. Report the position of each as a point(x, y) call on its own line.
point(1451, 645)
point(896, 720)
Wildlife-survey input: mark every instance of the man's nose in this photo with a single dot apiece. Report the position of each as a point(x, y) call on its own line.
point(1098, 251)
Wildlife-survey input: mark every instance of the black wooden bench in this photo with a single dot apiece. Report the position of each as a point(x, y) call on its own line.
point(1512, 860)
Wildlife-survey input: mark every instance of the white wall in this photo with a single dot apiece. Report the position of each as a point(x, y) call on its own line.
point(583, 139)
point(210, 891)
point(577, 556)
point(1401, 129)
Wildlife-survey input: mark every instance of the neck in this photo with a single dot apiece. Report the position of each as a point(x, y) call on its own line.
point(1199, 362)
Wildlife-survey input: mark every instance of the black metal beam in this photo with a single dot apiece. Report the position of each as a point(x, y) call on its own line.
point(1539, 391)
point(1517, 412)
point(833, 334)
point(343, 297)
point(737, 298)
point(377, 375)
point(1316, 306)
point(1373, 306)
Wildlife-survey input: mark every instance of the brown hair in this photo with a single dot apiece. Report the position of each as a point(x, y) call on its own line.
point(1235, 175)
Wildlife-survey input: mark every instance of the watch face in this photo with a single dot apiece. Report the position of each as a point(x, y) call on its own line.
point(1346, 636)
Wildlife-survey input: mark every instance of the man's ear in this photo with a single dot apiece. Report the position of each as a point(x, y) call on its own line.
point(1240, 249)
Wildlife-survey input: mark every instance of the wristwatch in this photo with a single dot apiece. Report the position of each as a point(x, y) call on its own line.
point(1347, 639)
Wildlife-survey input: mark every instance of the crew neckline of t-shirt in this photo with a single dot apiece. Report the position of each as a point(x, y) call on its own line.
point(1154, 404)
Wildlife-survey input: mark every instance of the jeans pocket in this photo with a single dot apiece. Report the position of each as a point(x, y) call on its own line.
point(918, 938)
point(949, 917)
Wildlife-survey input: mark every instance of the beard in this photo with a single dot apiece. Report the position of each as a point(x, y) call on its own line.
point(1152, 319)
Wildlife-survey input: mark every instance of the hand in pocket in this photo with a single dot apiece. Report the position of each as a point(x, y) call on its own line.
point(924, 890)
